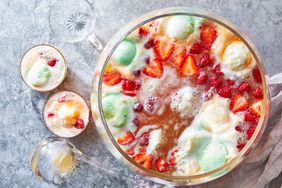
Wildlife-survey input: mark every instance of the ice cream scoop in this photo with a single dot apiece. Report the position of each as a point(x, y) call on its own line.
point(212, 156)
point(125, 52)
point(116, 109)
point(38, 74)
point(237, 59)
point(179, 27)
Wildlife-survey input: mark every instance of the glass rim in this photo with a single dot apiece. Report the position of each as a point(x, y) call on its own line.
point(125, 31)
point(65, 70)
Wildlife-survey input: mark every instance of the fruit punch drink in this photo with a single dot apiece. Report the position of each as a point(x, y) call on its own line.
point(182, 95)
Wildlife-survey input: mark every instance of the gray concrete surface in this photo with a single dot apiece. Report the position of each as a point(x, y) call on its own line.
point(24, 23)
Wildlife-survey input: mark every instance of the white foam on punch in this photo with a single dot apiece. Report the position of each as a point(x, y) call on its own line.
point(151, 87)
point(154, 140)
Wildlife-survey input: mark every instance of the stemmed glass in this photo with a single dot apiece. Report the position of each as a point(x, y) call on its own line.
point(74, 21)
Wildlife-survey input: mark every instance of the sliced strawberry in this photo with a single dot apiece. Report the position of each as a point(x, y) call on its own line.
point(225, 92)
point(189, 67)
point(163, 49)
point(144, 159)
point(130, 152)
point(196, 48)
point(206, 60)
point(256, 75)
point(143, 32)
point(126, 139)
point(149, 162)
point(161, 165)
point(257, 93)
point(178, 59)
point(130, 87)
point(208, 35)
point(112, 78)
point(244, 87)
point(202, 79)
point(238, 103)
point(154, 69)
point(256, 108)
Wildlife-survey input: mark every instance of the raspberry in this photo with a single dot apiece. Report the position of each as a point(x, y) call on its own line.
point(137, 73)
point(216, 70)
point(150, 104)
point(136, 122)
point(201, 79)
point(144, 139)
point(138, 107)
point(205, 61)
point(238, 128)
point(244, 86)
point(240, 146)
point(257, 93)
point(250, 118)
point(79, 124)
point(147, 60)
point(52, 62)
point(251, 131)
point(149, 44)
point(256, 75)
point(172, 160)
point(230, 82)
point(216, 82)
point(130, 85)
point(225, 92)
point(50, 115)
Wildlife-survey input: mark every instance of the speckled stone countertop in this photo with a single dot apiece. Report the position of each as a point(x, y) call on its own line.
point(24, 23)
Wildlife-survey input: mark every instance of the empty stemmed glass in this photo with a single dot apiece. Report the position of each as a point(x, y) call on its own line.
point(74, 21)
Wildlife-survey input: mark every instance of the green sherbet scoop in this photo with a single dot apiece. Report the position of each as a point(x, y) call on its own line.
point(125, 52)
point(212, 156)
